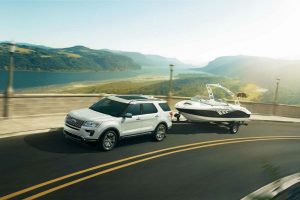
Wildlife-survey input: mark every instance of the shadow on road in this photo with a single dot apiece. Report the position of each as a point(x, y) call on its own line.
point(197, 128)
point(135, 140)
point(54, 141)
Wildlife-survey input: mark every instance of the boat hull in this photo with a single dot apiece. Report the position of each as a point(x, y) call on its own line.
point(212, 115)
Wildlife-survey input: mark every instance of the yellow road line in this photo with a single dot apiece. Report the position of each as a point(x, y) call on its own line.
point(126, 159)
point(146, 159)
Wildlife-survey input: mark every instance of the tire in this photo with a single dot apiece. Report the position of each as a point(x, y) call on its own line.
point(234, 127)
point(108, 140)
point(160, 132)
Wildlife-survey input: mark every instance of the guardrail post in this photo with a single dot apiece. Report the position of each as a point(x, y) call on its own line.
point(9, 90)
point(7, 104)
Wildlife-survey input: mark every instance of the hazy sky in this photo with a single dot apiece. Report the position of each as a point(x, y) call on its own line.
point(195, 31)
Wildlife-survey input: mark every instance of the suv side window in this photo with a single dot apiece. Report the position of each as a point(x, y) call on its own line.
point(148, 108)
point(164, 106)
point(134, 109)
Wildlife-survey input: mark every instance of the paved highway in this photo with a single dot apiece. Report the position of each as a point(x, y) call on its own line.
point(196, 161)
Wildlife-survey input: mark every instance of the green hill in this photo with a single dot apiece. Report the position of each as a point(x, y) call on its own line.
point(77, 58)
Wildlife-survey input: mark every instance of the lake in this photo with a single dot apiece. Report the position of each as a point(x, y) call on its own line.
point(28, 79)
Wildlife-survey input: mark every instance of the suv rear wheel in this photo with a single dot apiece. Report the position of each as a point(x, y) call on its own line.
point(160, 132)
point(108, 140)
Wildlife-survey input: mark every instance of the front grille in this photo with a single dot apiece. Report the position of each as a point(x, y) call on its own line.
point(72, 127)
point(74, 122)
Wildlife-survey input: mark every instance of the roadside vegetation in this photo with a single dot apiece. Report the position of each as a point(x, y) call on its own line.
point(183, 85)
point(186, 85)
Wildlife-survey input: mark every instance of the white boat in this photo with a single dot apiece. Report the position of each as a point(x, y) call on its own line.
point(200, 109)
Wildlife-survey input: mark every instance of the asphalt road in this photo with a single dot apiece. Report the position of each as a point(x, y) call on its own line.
point(228, 169)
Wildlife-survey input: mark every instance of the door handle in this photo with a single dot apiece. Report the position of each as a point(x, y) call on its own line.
point(138, 118)
point(156, 116)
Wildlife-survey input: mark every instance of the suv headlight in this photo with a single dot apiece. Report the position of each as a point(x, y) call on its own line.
point(91, 124)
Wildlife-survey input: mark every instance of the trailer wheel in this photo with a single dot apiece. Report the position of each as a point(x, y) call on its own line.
point(234, 127)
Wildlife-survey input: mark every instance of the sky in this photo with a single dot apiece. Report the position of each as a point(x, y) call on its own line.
point(194, 31)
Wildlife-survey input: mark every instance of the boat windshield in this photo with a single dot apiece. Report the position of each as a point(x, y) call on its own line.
point(216, 94)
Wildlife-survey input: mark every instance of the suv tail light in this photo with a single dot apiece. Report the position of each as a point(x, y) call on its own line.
point(171, 114)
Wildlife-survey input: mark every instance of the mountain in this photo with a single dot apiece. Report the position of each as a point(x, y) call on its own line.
point(263, 72)
point(77, 58)
point(27, 44)
point(259, 70)
point(149, 60)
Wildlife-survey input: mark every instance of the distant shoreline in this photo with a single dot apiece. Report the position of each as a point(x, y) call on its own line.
point(73, 71)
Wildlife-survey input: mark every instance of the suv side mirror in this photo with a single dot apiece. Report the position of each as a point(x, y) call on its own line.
point(127, 115)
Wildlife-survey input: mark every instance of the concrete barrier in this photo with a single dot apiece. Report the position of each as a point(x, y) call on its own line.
point(41, 104)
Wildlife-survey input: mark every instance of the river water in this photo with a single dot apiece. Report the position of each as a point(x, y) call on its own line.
point(29, 79)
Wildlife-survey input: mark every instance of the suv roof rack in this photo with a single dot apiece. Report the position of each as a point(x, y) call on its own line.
point(136, 98)
point(152, 99)
point(132, 97)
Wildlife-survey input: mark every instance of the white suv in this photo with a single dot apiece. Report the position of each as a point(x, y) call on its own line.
point(116, 117)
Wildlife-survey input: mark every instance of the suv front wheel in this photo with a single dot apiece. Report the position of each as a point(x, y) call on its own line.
point(160, 132)
point(108, 140)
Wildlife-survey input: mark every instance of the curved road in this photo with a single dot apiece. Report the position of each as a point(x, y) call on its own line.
point(227, 168)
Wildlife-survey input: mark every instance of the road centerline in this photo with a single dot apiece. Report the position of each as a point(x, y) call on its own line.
point(179, 148)
point(146, 159)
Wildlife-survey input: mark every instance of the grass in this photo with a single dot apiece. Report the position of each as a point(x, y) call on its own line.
point(45, 56)
point(23, 50)
point(118, 87)
point(252, 91)
point(181, 87)
point(69, 55)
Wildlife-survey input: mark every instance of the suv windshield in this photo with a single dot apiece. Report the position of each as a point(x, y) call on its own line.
point(109, 107)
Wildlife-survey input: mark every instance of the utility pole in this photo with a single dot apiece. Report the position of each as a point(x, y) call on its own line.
point(9, 89)
point(171, 66)
point(276, 95)
point(276, 91)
